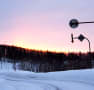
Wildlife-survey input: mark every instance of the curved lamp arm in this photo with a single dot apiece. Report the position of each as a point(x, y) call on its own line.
point(89, 44)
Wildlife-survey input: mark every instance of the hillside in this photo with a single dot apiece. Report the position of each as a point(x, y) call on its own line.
point(45, 61)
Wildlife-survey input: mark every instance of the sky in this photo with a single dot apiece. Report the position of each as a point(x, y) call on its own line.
point(44, 24)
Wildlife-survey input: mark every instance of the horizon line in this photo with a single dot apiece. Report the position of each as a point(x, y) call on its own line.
point(53, 51)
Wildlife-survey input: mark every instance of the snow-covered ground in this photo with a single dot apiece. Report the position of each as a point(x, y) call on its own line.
point(65, 80)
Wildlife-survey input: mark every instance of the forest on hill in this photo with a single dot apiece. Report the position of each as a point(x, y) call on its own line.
point(40, 61)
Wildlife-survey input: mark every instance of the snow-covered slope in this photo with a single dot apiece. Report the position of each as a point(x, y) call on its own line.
point(5, 66)
point(65, 80)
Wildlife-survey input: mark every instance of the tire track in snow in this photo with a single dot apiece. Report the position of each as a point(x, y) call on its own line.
point(43, 85)
point(27, 79)
point(80, 83)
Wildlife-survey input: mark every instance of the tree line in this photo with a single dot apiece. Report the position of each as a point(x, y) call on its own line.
point(45, 61)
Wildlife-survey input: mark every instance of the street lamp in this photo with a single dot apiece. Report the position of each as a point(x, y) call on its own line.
point(81, 38)
point(74, 23)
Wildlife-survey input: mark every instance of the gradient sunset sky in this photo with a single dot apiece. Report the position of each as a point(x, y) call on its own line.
point(43, 24)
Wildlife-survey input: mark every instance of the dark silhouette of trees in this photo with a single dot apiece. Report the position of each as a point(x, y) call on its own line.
point(40, 61)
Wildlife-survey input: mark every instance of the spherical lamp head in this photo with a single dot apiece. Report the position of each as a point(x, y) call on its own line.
point(73, 23)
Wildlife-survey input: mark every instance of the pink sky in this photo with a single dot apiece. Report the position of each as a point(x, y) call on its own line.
point(44, 25)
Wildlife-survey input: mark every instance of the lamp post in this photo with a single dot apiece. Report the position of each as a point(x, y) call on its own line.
point(74, 23)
